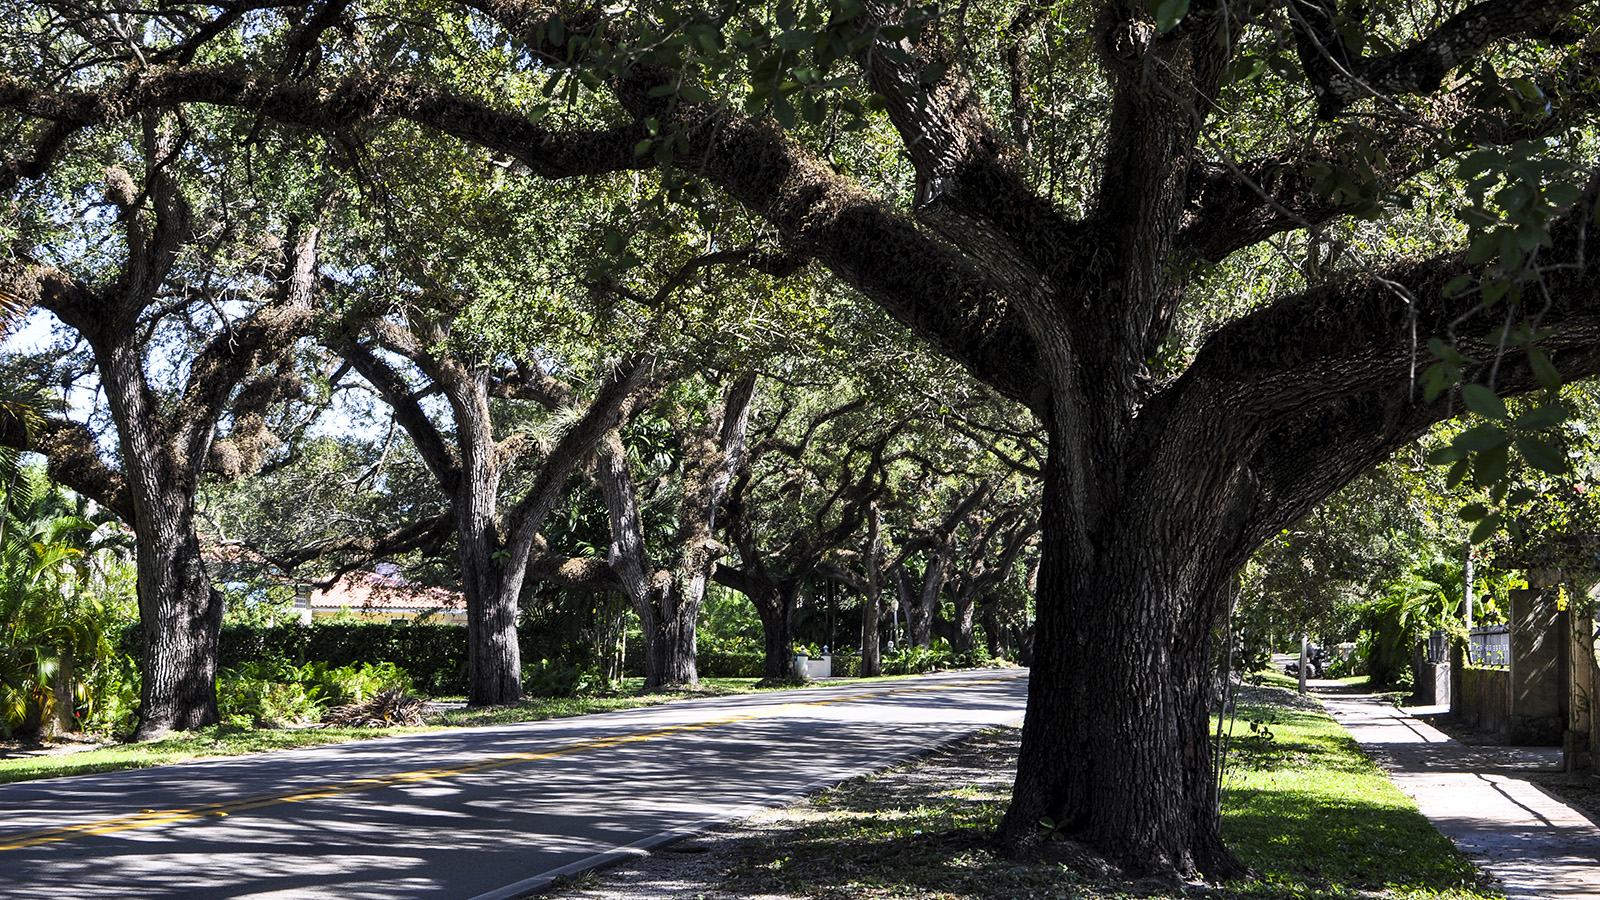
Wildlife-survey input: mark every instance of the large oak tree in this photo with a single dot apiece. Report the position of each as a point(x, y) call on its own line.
point(176, 291)
point(1077, 171)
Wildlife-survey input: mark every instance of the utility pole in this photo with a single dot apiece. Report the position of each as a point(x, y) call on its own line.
point(1304, 640)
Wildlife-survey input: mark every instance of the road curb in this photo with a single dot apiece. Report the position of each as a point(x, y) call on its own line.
point(531, 886)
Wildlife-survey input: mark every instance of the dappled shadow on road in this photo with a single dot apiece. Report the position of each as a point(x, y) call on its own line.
point(492, 807)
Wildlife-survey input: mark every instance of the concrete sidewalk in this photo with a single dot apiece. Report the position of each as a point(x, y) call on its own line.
point(1535, 844)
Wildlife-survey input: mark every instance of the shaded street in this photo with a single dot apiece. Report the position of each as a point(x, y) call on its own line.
point(472, 813)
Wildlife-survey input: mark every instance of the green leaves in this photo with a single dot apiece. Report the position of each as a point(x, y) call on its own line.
point(1541, 455)
point(1480, 438)
point(1483, 401)
point(1486, 528)
point(1488, 444)
point(1484, 451)
point(1169, 13)
point(1515, 193)
point(1543, 418)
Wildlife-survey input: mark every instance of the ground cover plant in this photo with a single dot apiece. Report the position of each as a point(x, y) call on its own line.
point(1302, 806)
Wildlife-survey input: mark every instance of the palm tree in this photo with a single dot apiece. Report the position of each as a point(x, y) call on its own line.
point(59, 601)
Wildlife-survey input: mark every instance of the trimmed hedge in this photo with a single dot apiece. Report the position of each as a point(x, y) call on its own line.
point(723, 664)
point(434, 655)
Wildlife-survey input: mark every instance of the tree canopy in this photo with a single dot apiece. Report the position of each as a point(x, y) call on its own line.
point(1063, 199)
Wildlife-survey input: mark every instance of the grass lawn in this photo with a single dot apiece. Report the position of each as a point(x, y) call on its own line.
point(1304, 808)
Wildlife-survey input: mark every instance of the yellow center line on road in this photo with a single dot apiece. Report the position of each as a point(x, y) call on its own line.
point(149, 818)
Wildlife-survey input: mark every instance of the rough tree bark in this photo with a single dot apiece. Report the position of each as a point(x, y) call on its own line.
point(164, 450)
point(668, 600)
point(494, 546)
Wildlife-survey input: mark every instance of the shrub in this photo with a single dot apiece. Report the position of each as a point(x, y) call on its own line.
point(969, 659)
point(267, 696)
point(547, 679)
point(713, 663)
point(111, 702)
point(355, 683)
point(1345, 666)
point(435, 656)
point(913, 661)
point(847, 665)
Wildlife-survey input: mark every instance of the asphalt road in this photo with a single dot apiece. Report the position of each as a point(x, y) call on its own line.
point(481, 813)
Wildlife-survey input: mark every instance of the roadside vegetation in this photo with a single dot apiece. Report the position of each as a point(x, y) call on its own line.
point(236, 737)
point(239, 735)
point(1302, 806)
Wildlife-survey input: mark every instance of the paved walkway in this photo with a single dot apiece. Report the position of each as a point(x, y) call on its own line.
point(1535, 844)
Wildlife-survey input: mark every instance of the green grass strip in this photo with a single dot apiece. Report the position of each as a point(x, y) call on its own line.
point(1303, 806)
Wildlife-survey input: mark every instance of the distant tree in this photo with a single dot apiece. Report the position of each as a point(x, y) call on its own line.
point(667, 595)
point(805, 490)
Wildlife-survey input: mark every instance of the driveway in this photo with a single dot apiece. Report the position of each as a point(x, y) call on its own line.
point(475, 813)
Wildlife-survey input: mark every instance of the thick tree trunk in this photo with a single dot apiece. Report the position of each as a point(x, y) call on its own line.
point(490, 579)
point(180, 614)
point(494, 657)
point(991, 629)
point(681, 642)
point(180, 618)
point(667, 606)
point(669, 636)
point(904, 602)
point(921, 611)
point(962, 638)
point(775, 606)
point(1123, 650)
point(668, 601)
point(63, 718)
point(610, 633)
point(871, 651)
point(872, 598)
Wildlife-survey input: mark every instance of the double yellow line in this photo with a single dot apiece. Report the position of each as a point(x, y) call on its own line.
point(147, 818)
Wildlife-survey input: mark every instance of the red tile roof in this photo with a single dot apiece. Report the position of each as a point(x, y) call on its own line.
point(388, 593)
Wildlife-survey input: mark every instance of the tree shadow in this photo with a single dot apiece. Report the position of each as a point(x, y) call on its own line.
point(1352, 842)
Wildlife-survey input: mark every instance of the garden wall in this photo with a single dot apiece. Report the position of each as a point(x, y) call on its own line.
point(1485, 699)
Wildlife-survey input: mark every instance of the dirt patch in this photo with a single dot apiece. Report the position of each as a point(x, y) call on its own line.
point(67, 743)
point(1462, 733)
